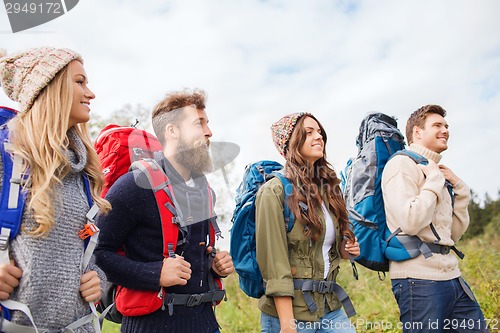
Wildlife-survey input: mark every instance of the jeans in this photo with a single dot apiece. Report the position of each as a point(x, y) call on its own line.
point(332, 322)
point(437, 306)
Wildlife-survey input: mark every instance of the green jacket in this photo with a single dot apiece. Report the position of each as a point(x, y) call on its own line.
point(283, 257)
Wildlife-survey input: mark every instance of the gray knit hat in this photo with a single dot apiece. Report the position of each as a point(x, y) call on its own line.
point(24, 74)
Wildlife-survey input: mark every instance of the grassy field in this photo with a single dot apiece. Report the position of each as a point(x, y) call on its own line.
point(377, 310)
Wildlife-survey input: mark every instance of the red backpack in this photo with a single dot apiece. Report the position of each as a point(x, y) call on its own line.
point(118, 147)
point(131, 302)
point(121, 149)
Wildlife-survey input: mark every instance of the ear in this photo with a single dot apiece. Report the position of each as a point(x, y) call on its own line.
point(171, 132)
point(416, 133)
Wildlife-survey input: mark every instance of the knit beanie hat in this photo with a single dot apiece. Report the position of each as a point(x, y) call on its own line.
point(25, 74)
point(283, 128)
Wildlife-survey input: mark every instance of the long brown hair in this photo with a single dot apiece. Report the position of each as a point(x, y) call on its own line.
point(309, 181)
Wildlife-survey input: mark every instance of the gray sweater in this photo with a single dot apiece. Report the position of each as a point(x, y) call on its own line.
point(51, 265)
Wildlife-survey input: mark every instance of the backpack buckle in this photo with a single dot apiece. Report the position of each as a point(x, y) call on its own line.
point(177, 220)
point(88, 230)
point(194, 300)
point(444, 249)
point(18, 181)
point(137, 151)
point(4, 238)
point(323, 287)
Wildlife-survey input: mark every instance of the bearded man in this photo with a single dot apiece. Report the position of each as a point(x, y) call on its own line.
point(181, 124)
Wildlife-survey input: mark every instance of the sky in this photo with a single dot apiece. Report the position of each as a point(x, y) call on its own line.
point(260, 60)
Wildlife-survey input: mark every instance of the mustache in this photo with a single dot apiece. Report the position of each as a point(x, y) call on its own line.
point(201, 143)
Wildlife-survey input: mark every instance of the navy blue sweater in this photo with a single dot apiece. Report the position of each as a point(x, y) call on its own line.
point(134, 222)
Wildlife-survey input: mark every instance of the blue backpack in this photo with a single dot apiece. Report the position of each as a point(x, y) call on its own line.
point(379, 139)
point(12, 200)
point(242, 245)
point(11, 205)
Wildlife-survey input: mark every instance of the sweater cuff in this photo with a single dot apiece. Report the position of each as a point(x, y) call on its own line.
point(215, 275)
point(461, 188)
point(280, 287)
point(149, 277)
point(434, 182)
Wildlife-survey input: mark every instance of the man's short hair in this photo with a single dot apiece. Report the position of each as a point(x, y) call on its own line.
point(168, 110)
point(418, 117)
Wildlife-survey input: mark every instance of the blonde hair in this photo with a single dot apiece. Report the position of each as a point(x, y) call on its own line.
point(39, 137)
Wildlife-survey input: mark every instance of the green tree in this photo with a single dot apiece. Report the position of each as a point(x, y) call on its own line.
point(477, 217)
point(481, 214)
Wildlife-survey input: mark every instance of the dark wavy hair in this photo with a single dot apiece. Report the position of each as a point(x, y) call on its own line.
point(309, 181)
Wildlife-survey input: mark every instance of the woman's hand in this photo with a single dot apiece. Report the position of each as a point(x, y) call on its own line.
point(90, 286)
point(9, 279)
point(349, 248)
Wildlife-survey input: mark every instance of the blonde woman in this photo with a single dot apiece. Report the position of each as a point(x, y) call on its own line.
point(300, 267)
point(49, 135)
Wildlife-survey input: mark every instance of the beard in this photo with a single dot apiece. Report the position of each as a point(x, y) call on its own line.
point(195, 157)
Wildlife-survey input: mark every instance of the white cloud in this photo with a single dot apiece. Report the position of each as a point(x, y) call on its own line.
point(259, 60)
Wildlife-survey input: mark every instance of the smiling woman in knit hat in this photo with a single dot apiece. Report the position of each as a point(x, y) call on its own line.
point(50, 138)
point(294, 264)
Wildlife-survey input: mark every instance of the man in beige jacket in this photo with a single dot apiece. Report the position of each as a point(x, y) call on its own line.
point(430, 202)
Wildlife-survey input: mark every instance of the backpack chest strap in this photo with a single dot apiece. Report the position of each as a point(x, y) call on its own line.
point(416, 246)
point(7, 326)
point(191, 300)
point(323, 287)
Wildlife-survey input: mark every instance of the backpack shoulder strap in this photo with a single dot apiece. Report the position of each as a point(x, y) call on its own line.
point(171, 218)
point(90, 231)
point(417, 158)
point(215, 231)
point(287, 189)
point(86, 183)
point(12, 197)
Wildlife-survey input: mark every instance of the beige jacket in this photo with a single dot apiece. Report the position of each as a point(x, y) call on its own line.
point(412, 201)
